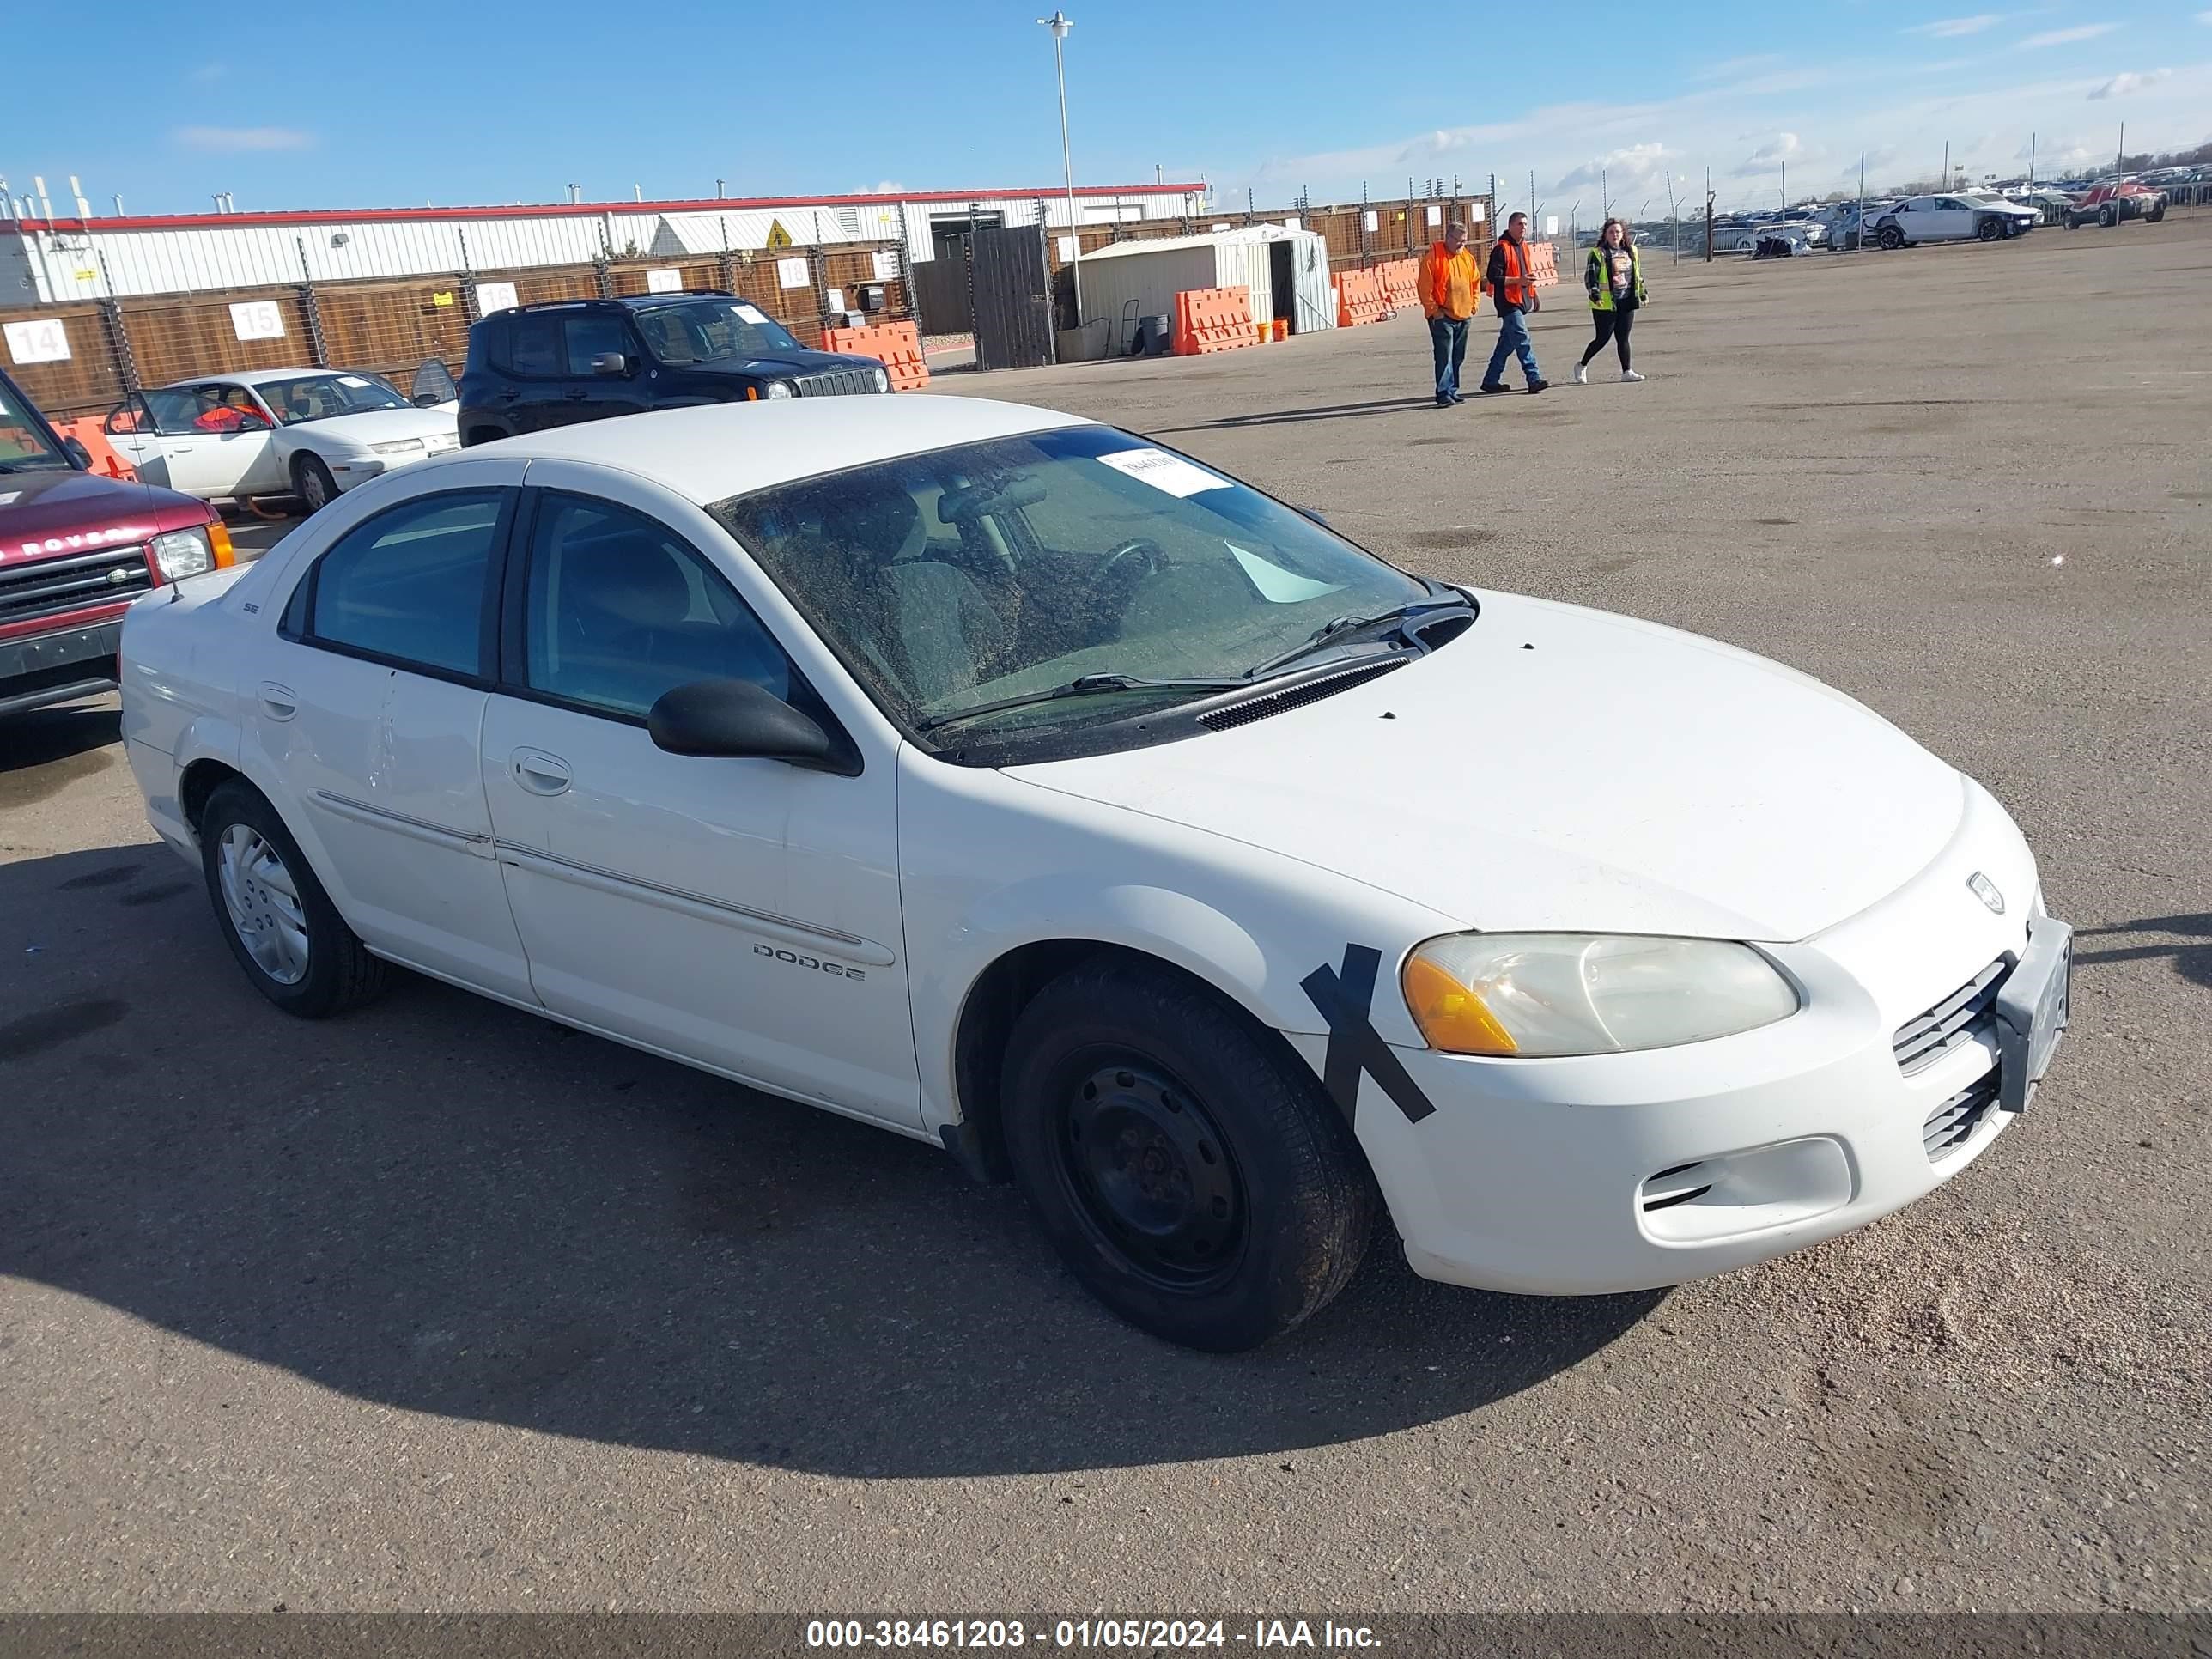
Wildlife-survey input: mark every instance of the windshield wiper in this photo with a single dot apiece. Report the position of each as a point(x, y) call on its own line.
point(37, 464)
point(1336, 629)
point(1087, 685)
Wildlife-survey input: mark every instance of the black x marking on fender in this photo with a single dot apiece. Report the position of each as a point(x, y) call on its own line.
point(1343, 996)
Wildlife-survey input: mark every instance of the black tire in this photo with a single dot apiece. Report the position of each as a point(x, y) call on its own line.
point(318, 489)
point(1890, 237)
point(2155, 215)
point(1990, 230)
point(1220, 1200)
point(339, 973)
point(2108, 216)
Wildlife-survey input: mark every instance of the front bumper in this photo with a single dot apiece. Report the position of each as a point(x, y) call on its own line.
point(1624, 1172)
point(64, 667)
point(348, 472)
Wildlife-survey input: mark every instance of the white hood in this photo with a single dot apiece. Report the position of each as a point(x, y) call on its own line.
point(383, 426)
point(1555, 768)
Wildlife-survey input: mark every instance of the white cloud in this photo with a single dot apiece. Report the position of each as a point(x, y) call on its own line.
point(2204, 16)
point(208, 73)
point(1632, 167)
point(1950, 28)
point(2121, 85)
point(2066, 36)
point(1901, 121)
point(239, 140)
point(882, 187)
point(1780, 151)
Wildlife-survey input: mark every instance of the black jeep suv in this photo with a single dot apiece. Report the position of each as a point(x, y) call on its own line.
point(540, 366)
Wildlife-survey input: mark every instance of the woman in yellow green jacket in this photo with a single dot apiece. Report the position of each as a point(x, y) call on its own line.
point(1614, 277)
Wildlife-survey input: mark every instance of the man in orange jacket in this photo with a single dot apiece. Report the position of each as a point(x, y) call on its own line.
point(1450, 290)
point(1511, 280)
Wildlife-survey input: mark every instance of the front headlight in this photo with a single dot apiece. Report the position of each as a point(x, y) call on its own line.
point(883, 380)
point(1582, 994)
point(397, 447)
point(181, 553)
point(781, 389)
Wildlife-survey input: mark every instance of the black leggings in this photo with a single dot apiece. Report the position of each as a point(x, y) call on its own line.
point(1612, 325)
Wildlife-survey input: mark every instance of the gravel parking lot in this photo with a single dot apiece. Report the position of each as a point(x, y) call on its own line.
point(442, 1307)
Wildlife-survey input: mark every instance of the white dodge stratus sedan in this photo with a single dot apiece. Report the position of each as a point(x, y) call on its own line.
point(1016, 784)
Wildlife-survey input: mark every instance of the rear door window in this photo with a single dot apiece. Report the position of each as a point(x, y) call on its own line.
point(407, 587)
point(533, 346)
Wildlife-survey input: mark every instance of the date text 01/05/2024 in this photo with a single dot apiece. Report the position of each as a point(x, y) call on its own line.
point(1106, 1634)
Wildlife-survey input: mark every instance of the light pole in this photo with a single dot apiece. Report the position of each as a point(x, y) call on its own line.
point(1059, 24)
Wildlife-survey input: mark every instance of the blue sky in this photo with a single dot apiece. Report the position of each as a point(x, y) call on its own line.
point(495, 103)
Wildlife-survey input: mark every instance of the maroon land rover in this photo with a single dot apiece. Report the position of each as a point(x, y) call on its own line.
point(76, 549)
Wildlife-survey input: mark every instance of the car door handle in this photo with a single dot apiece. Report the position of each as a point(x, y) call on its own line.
point(278, 701)
point(539, 773)
point(508, 394)
point(576, 396)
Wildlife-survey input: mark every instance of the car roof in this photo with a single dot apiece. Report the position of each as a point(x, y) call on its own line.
point(716, 451)
point(252, 377)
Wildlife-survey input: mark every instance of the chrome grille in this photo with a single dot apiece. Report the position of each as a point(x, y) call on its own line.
point(1967, 1013)
point(1952, 1125)
point(836, 383)
point(75, 582)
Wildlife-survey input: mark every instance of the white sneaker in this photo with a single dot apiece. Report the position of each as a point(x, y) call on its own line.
point(1629, 374)
point(1582, 374)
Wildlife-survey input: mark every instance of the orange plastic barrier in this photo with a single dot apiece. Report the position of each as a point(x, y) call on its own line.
point(1543, 266)
point(1213, 319)
point(87, 430)
point(1360, 299)
point(896, 346)
point(1402, 283)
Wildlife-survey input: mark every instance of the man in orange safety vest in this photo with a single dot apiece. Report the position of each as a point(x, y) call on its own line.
point(1512, 284)
point(1449, 294)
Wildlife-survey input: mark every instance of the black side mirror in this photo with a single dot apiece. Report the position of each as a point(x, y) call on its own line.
point(1314, 514)
point(737, 720)
point(74, 449)
point(427, 400)
point(611, 362)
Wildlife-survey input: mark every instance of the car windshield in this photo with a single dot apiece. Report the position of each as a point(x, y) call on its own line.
point(24, 445)
point(323, 396)
point(712, 332)
point(998, 570)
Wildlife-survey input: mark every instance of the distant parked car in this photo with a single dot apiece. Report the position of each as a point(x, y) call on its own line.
point(542, 366)
point(1921, 219)
point(2115, 202)
point(309, 433)
point(1744, 238)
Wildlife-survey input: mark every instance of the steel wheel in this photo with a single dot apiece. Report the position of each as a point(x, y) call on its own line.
point(1151, 1176)
point(317, 487)
point(264, 903)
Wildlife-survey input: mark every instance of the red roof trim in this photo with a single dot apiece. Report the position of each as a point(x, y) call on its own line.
point(586, 209)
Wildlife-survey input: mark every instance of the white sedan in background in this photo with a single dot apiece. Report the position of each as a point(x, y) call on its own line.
point(307, 433)
point(1014, 784)
point(1921, 219)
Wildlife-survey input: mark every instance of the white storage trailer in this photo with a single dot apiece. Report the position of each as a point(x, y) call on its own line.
point(1285, 271)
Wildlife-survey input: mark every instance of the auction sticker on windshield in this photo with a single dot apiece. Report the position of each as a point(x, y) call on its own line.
point(1164, 472)
point(751, 313)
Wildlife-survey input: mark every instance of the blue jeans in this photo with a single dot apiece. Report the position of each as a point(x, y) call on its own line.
point(1449, 337)
point(1512, 339)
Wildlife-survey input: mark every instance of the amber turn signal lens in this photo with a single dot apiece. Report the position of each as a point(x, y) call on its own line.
point(219, 543)
point(1451, 1016)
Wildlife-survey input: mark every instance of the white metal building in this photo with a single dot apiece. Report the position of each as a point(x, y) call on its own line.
point(1129, 280)
point(46, 258)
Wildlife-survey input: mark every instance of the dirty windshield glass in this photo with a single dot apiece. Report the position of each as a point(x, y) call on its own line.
point(712, 330)
point(24, 447)
point(995, 570)
point(324, 397)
